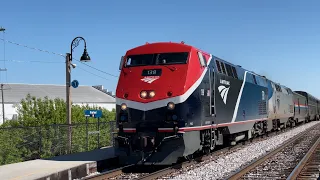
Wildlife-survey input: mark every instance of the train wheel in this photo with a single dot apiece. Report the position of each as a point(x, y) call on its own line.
point(206, 151)
point(293, 124)
point(213, 141)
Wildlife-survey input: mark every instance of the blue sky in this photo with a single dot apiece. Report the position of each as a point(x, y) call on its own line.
point(279, 39)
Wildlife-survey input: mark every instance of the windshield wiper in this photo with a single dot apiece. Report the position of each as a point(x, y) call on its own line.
point(171, 68)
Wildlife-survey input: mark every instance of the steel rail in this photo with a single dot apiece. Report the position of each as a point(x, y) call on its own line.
point(241, 172)
point(298, 169)
point(205, 157)
point(116, 172)
point(108, 174)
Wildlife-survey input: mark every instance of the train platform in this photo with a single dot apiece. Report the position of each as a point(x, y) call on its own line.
point(70, 166)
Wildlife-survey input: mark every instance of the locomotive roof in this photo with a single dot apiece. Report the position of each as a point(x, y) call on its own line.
point(308, 94)
point(238, 67)
point(158, 43)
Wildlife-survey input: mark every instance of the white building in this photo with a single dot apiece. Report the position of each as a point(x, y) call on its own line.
point(82, 95)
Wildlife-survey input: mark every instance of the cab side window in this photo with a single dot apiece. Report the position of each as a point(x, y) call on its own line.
point(202, 59)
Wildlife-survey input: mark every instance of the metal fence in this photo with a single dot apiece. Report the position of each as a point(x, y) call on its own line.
point(26, 143)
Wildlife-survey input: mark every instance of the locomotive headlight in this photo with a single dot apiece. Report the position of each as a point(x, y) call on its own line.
point(152, 93)
point(170, 105)
point(123, 106)
point(143, 94)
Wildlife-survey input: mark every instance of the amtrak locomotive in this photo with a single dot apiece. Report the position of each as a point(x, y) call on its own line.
point(174, 100)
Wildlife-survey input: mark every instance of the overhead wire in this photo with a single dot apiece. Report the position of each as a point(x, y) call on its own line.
point(31, 61)
point(18, 44)
point(59, 54)
point(95, 68)
point(93, 73)
point(19, 61)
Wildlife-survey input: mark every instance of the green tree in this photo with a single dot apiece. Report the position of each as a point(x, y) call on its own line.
point(41, 130)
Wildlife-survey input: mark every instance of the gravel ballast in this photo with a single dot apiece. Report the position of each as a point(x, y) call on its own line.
point(224, 165)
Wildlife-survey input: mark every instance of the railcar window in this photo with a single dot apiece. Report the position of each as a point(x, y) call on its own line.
point(288, 91)
point(218, 66)
point(249, 78)
point(140, 60)
point(157, 59)
point(278, 88)
point(229, 70)
point(202, 59)
point(172, 58)
point(226, 69)
point(254, 79)
point(223, 69)
point(234, 72)
point(261, 81)
point(299, 105)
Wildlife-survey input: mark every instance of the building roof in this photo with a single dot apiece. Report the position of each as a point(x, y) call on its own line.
point(14, 93)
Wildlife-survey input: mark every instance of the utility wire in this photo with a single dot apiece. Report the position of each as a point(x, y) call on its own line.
point(95, 68)
point(50, 52)
point(33, 61)
point(18, 44)
point(55, 62)
point(93, 73)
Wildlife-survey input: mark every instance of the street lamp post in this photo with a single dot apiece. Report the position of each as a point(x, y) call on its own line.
point(84, 58)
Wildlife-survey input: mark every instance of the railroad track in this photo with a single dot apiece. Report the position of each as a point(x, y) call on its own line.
point(309, 166)
point(165, 173)
point(129, 172)
point(283, 162)
point(108, 174)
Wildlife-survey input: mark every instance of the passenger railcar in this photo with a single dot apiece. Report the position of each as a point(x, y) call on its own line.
point(300, 108)
point(313, 112)
point(174, 100)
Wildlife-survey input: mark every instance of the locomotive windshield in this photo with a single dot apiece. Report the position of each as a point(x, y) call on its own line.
point(157, 59)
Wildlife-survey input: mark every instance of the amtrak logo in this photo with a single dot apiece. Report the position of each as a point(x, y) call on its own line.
point(223, 93)
point(150, 79)
point(224, 90)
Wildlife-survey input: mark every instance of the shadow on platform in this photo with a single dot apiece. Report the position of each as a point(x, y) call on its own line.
point(104, 158)
point(94, 155)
